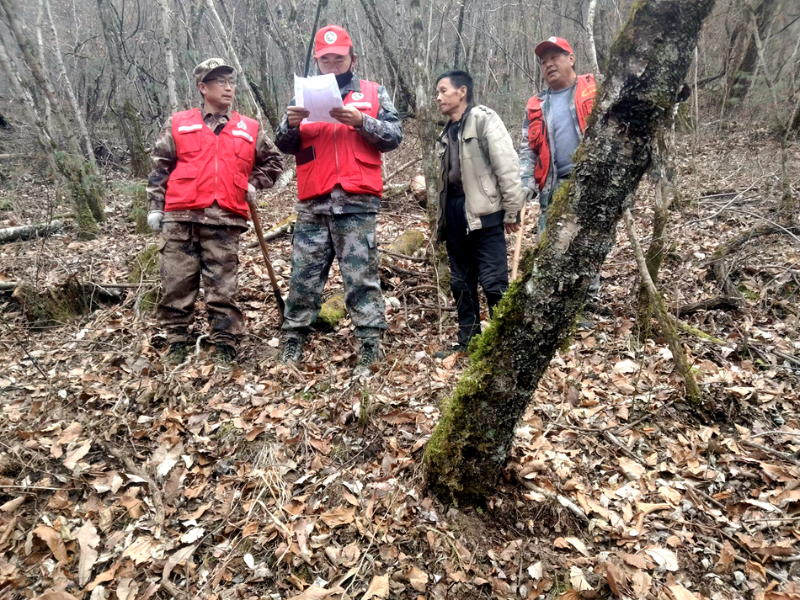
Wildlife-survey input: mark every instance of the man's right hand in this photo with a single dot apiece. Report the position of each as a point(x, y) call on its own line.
point(296, 114)
point(529, 194)
point(154, 219)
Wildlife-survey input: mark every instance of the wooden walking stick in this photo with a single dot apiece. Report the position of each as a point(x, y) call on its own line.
point(273, 280)
point(518, 248)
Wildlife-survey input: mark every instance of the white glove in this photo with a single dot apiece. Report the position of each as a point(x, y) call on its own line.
point(154, 219)
point(251, 193)
point(529, 194)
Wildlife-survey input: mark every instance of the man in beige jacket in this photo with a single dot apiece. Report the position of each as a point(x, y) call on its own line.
point(480, 197)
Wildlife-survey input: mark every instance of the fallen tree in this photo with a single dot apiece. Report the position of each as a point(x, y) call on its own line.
point(26, 232)
point(646, 68)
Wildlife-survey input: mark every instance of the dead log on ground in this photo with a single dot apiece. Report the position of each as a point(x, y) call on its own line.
point(26, 232)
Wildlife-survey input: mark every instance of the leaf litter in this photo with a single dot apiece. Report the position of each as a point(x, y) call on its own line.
point(121, 477)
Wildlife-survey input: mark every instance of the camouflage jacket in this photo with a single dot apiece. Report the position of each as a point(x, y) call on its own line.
point(384, 132)
point(267, 169)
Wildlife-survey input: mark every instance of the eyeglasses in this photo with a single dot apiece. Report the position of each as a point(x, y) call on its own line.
point(223, 83)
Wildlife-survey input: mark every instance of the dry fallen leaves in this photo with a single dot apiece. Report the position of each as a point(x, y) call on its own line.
point(378, 588)
point(88, 541)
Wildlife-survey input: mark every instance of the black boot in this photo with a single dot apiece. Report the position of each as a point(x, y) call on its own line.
point(293, 350)
point(368, 355)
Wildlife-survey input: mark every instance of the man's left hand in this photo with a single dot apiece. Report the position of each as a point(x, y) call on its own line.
point(251, 194)
point(512, 227)
point(349, 115)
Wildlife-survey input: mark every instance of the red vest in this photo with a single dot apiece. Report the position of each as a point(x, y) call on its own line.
point(537, 130)
point(211, 167)
point(340, 154)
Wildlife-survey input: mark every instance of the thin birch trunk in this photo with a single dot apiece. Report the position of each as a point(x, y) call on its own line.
point(48, 111)
point(592, 45)
point(62, 73)
point(44, 134)
point(166, 24)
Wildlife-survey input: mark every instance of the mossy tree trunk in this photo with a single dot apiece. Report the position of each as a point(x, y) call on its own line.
point(647, 65)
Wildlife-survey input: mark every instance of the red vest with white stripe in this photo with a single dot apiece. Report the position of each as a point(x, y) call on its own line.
point(340, 153)
point(211, 167)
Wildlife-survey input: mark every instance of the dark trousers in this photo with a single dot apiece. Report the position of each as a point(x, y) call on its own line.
point(476, 257)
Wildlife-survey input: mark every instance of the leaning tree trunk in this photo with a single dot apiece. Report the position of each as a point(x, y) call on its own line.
point(647, 64)
point(407, 99)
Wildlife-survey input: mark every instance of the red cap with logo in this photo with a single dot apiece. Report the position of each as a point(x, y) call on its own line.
point(556, 43)
point(332, 39)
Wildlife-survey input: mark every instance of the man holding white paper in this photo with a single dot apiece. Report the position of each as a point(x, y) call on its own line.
point(339, 186)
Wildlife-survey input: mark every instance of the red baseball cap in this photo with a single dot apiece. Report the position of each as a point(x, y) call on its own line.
point(332, 39)
point(553, 42)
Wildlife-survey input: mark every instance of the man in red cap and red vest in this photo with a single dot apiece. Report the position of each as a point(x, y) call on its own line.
point(205, 162)
point(554, 123)
point(339, 186)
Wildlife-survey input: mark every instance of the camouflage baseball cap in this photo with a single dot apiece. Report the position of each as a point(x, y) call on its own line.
point(202, 70)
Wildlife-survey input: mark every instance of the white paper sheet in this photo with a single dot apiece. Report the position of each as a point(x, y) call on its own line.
point(319, 95)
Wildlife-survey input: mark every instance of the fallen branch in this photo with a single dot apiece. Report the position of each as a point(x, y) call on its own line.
point(721, 271)
point(777, 454)
point(718, 303)
point(718, 545)
point(285, 226)
point(562, 500)
point(667, 326)
point(10, 286)
point(25, 232)
point(402, 168)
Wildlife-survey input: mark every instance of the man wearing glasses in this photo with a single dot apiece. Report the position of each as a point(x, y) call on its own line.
point(205, 162)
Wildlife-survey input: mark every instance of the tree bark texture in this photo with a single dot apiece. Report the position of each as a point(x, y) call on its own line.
point(646, 67)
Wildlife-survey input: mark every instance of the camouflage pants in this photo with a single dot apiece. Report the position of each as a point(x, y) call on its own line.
point(189, 252)
point(351, 239)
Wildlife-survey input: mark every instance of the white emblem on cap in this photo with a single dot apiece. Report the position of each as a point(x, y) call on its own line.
point(330, 37)
point(241, 125)
point(357, 95)
point(552, 39)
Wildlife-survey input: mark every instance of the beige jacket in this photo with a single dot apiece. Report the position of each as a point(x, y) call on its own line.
point(489, 169)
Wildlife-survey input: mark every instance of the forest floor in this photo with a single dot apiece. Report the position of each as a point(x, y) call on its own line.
point(124, 477)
